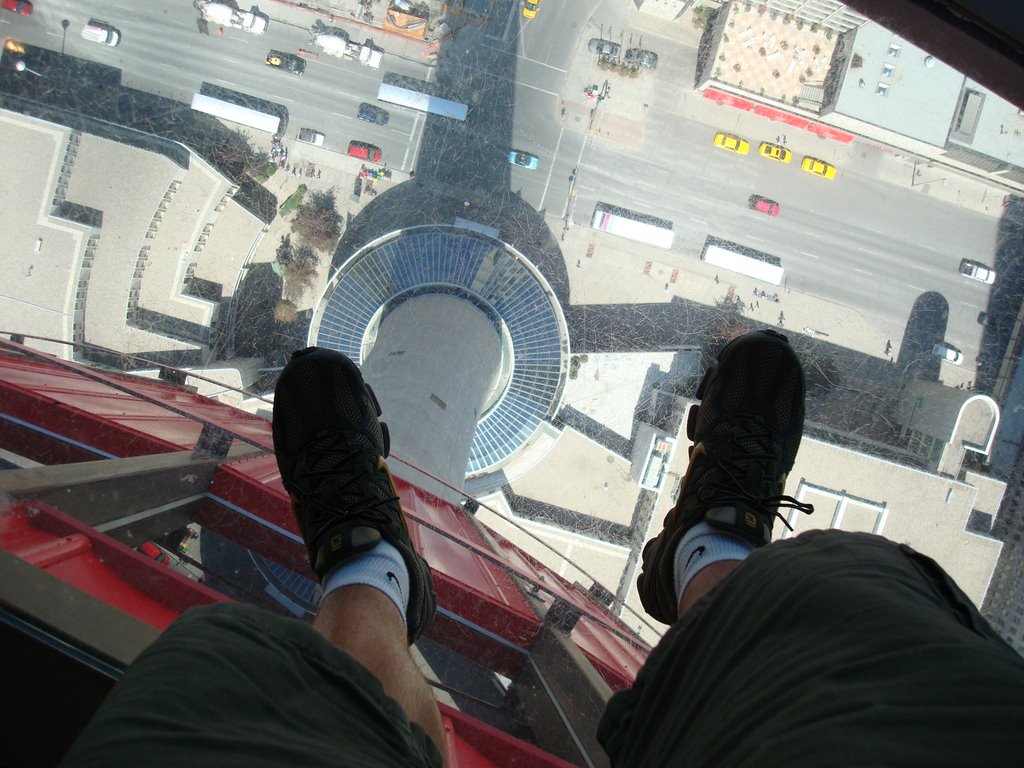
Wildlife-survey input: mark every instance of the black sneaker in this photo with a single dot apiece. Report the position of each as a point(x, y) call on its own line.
point(745, 433)
point(330, 448)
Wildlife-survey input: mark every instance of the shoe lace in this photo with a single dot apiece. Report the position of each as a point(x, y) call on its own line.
point(330, 458)
point(718, 490)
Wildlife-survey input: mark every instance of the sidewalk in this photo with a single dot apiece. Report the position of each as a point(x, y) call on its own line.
point(345, 15)
point(616, 271)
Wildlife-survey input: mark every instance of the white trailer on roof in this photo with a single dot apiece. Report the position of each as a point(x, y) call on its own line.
point(751, 263)
point(421, 101)
point(235, 113)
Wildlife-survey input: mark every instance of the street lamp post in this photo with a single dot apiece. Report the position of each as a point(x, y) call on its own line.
point(21, 66)
point(64, 23)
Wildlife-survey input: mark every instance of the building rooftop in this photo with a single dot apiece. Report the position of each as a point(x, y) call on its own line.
point(895, 85)
point(989, 124)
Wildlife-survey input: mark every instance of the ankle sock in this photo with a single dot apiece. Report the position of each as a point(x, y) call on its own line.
point(382, 568)
point(701, 546)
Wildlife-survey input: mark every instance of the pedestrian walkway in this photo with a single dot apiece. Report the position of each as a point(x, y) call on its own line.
point(605, 269)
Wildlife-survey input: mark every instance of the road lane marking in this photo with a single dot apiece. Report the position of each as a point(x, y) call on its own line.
point(551, 169)
point(915, 287)
point(535, 88)
point(698, 221)
point(862, 271)
point(414, 145)
point(226, 82)
point(805, 253)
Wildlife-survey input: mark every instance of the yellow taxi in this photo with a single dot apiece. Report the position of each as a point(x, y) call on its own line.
point(530, 8)
point(731, 143)
point(775, 152)
point(817, 167)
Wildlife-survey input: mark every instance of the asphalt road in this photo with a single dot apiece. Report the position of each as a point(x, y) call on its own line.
point(862, 242)
point(873, 246)
point(162, 52)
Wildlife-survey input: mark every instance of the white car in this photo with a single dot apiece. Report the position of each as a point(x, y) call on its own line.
point(948, 353)
point(309, 136)
point(977, 271)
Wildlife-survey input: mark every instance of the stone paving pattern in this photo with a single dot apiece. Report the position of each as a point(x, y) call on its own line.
point(791, 49)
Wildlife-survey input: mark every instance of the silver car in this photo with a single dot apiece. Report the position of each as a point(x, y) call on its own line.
point(309, 136)
point(948, 353)
point(603, 47)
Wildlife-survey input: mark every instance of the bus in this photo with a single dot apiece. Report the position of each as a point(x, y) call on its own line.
point(746, 261)
point(416, 94)
point(635, 226)
point(226, 110)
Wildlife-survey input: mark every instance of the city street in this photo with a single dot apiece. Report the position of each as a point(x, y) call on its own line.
point(860, 241)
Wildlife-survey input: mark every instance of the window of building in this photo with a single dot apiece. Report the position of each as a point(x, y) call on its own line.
point(888, 70)
point(894, 50)
point(882, 89)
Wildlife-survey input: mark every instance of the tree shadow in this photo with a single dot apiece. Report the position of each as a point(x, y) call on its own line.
point(257, 333)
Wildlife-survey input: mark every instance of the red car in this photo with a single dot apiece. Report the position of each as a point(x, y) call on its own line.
point(364, 151)
point(763, 205)
point(150, 549)
point(20, 7)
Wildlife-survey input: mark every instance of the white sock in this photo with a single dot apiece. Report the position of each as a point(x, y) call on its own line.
point(382, 568)
point(701, 546)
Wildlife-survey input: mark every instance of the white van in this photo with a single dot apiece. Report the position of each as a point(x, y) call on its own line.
point(101, 32)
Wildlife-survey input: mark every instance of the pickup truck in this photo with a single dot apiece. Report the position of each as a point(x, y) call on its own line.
point(977, 271)
point(225, 15)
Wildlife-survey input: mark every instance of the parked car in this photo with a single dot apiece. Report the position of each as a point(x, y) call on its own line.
point(289, 62)
point(523, 159)
point(371, 113)
point(817, 167)
point(20, 7)
point(775, 152)
point(101, 32)
point(603, 47)
point(977, 271)
point(364, 151)
point(763, 204)
point(731, 143)
point(530, 8)
point(641, 58)
point(948, 353)
point(149, 549)
point(309, 136)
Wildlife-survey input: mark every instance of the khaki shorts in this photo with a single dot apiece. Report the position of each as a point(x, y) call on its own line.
point(234, 685)
point(828, 649)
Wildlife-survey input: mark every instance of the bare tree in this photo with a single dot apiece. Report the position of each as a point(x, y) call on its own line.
point(318, 222)
point(301, 272)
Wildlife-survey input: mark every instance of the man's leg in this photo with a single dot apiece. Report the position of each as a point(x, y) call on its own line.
point(235, 685)
point(745, 433)
point(378, 597)
point(829, 647)
point(363, 622)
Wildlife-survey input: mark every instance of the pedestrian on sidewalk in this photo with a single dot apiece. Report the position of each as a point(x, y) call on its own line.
point(782, 317)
